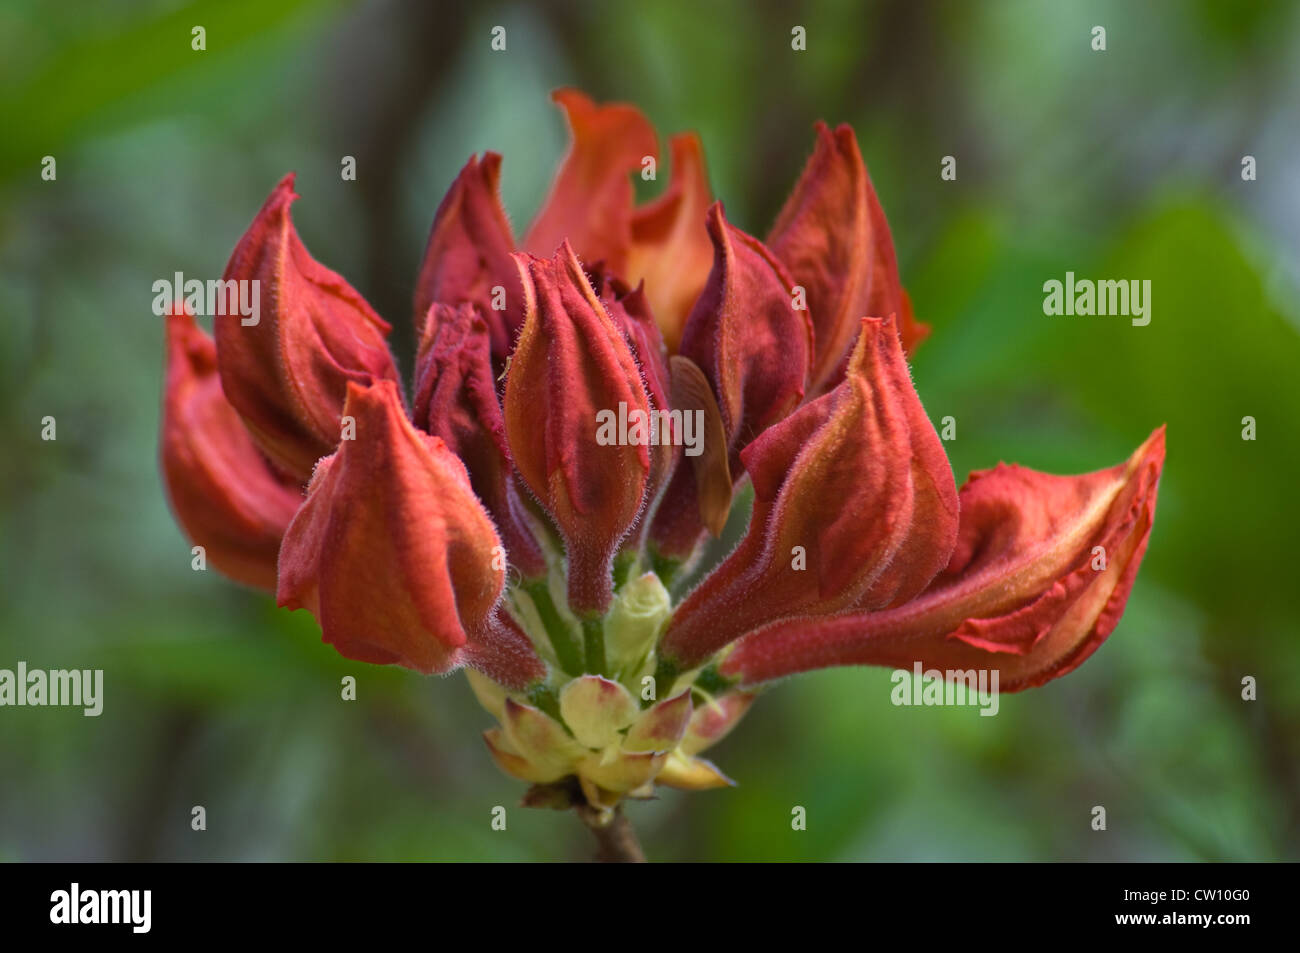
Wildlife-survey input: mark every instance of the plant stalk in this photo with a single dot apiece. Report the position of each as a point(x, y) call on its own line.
point(616, 840)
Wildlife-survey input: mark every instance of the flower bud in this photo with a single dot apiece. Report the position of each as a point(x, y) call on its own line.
point(755, 348)
point(469, 255)
point(833, 237)
point(225, 495)
point(1041, 572)
point(571, 372)
point(394, 556)
point(631, 314)
point(288, 373)
point(854, 504)
point(456, 399)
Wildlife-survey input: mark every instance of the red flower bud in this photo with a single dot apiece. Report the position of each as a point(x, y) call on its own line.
point(671, 249)
point(570, 369)
point(287, 374)
point(225, 495)
point(469, 254)
point(591, 202)
point(753, 345)
point(1039, 578)
point(854, 504)
point(833, 237)
point(394, 556)
point(631, 314)
point(754, 348)
point(456, 399)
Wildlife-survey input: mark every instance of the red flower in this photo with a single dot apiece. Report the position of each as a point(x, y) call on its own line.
point(224, 493)
point(584, 409)
point(288, 371)
point(1039, 577)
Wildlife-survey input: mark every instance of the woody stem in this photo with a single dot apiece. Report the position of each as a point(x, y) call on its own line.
point(616, 841)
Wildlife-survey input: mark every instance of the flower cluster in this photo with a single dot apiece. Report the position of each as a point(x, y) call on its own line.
point(480, 523)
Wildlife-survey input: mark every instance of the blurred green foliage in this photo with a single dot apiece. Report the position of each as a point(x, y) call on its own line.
point(1122, 164)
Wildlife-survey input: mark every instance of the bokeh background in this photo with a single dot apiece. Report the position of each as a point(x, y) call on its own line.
point(1118, 164)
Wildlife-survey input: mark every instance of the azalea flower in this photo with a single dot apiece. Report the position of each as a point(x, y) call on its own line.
point(480, 524)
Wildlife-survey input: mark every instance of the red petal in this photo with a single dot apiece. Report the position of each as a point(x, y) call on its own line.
point(755, 349)
point(469, 253)
point(571, 363)
point(591, 201)
point(671, 249)
point(224, 494)
point(1020, 594)
point(394, 555)
point(833, 237)
point(288, 374)
point(858, 482)
point(746, 336)
point(631, 314)
point(456, 399)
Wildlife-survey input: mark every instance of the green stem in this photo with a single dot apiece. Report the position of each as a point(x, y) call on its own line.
point(665, 567)
point(562, 641)
point(593, 634)
point(623, 564)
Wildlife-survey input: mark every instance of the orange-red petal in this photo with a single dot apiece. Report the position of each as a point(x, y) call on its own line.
point(225, 495)
point(571, 366)
point(1039, 578)
point(288, 373)
point(832, 236)
point(393, 553)
point(671, 250)
point(853, 501)
point(591, 202)
point(469, 254)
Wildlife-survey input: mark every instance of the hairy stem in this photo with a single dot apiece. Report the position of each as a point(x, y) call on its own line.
point(616, 841)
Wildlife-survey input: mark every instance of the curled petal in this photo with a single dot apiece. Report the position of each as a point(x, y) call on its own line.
point(671, 249)
point(469, 254)
point(287, 374)
point(833, 237)
point(396, 558)
point(570, 375)
point(591, 202)
point(225, 495)
point(1039, 578)
point(854, 503)
point(456, 399)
